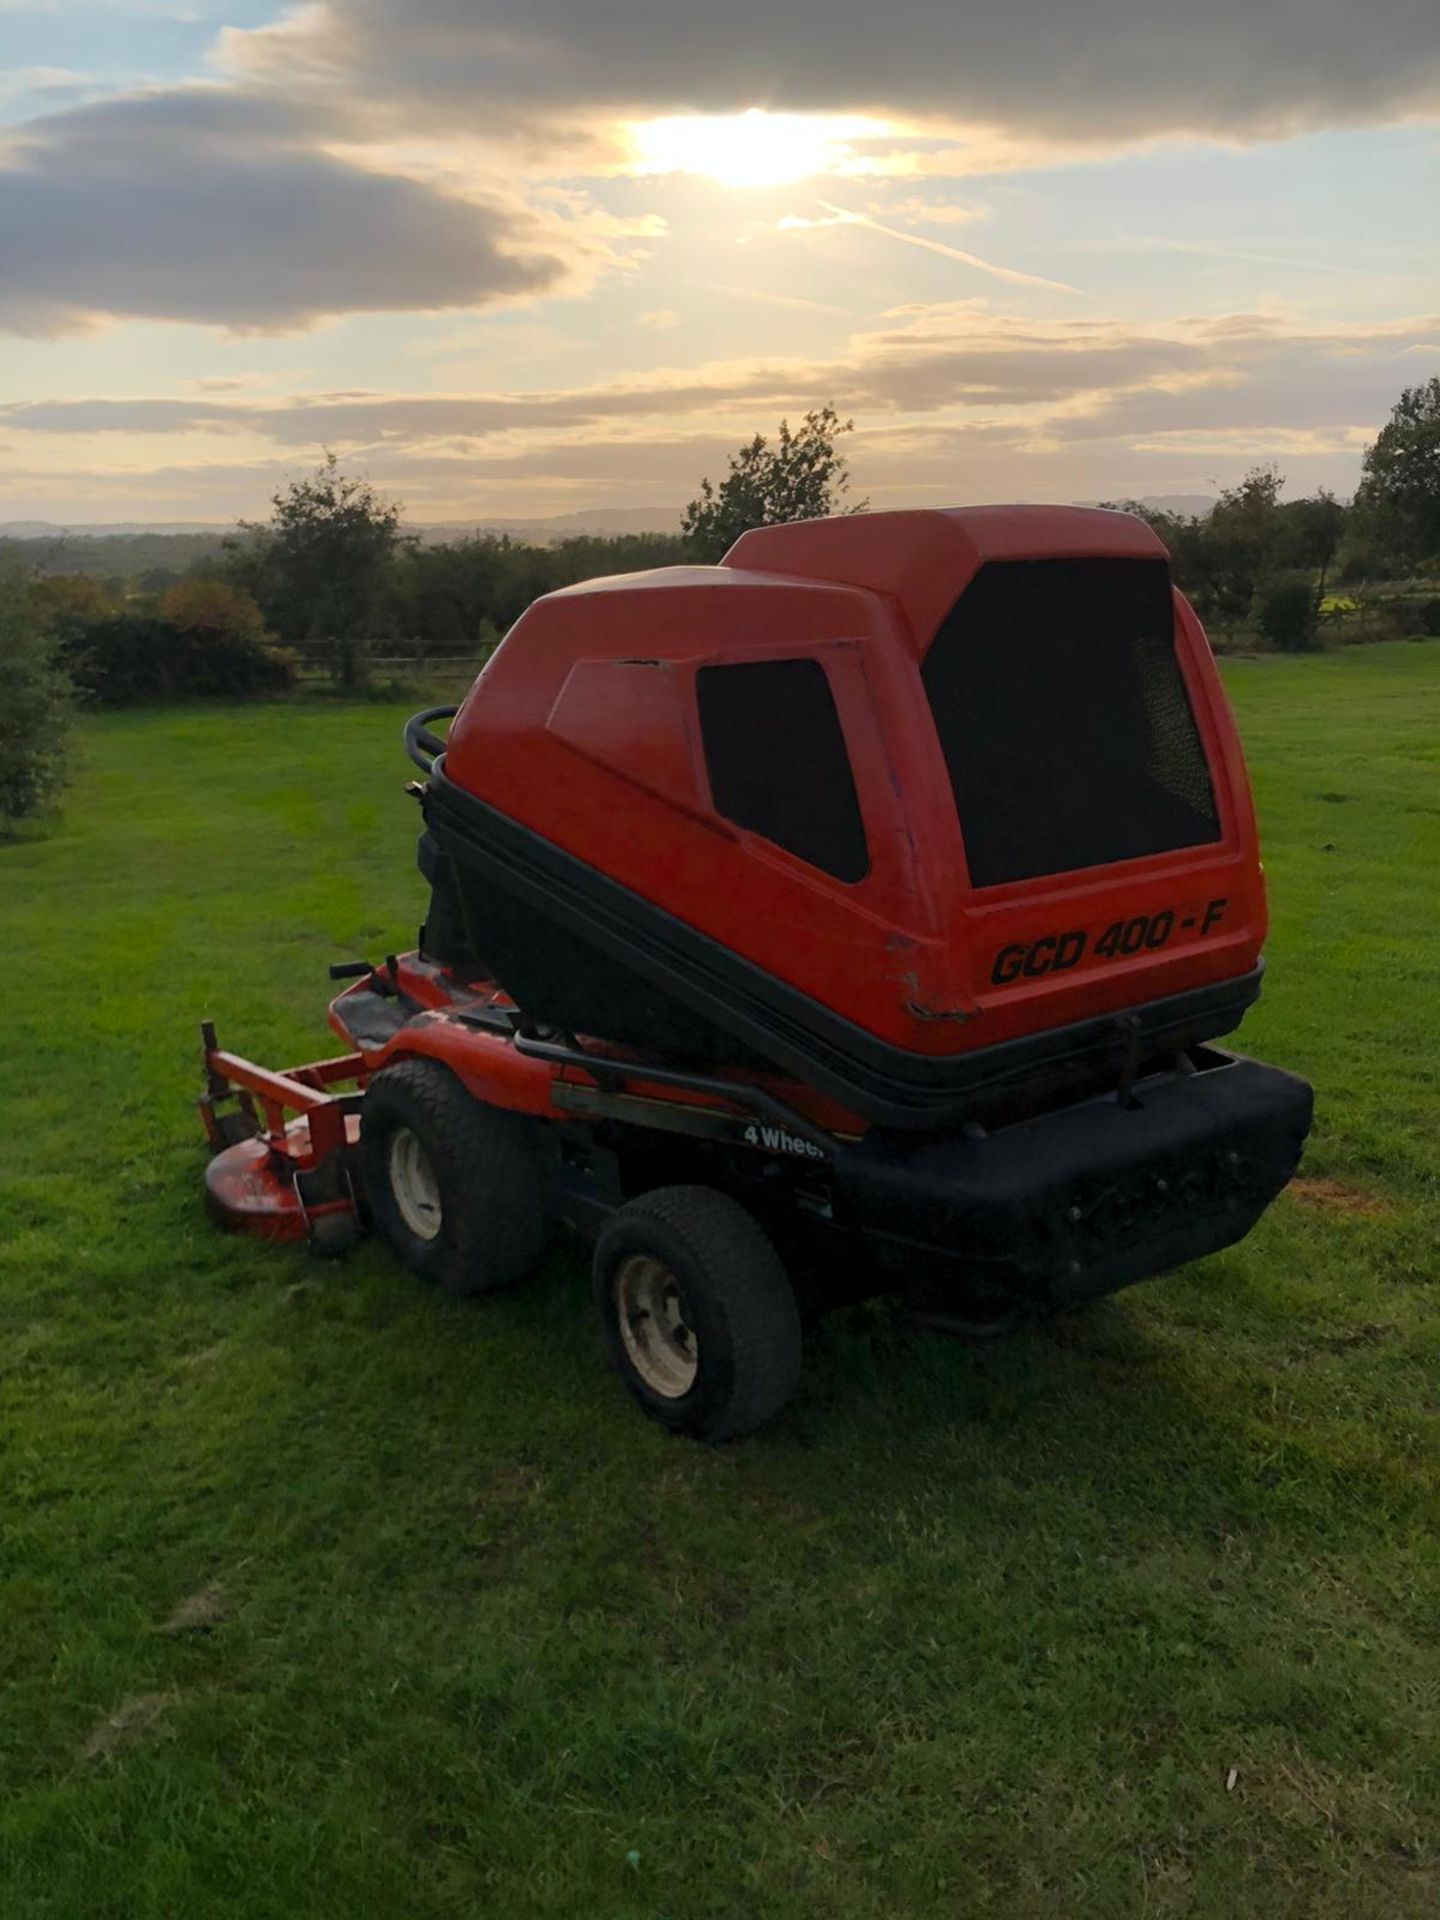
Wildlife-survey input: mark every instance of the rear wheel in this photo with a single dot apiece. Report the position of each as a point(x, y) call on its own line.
point(463, 1192)
point(697, 1313)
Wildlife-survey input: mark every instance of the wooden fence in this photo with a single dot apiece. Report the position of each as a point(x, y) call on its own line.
point(451, 669)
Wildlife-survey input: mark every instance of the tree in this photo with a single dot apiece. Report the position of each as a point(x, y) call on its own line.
point(1286, 613)
point(322, 567)
point(802, 477)
point(215, 610)
point(451, 596)
point(72, 596)
point(34, 700)
point(585, 556)
point(1400, 491)
point(1310, 535)
point(1242, 537)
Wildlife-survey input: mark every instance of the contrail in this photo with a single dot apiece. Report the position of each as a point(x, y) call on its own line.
point(952, 253)
point(1145, 245)
point(785, 300)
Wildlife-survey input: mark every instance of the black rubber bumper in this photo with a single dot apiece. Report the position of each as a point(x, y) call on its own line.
point(1087, 1199)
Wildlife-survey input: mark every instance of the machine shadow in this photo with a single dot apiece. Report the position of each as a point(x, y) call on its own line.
point(1087, 1416)
point(1088, 1404)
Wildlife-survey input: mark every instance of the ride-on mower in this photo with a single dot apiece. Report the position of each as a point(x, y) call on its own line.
point(856, 916)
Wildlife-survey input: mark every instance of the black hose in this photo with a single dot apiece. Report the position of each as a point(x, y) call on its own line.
point(743, 1093)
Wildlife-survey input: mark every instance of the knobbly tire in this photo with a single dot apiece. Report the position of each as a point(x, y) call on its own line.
point(697, 1313)
point(463, 1192)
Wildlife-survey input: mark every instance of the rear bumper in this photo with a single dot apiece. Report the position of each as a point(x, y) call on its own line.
point(1089, 1198)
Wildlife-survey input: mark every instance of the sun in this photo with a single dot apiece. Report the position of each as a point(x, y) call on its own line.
point(753, 149)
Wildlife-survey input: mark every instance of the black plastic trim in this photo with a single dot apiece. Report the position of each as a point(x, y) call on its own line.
point(887, 1084)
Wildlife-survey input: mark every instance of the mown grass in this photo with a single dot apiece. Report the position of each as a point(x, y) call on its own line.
point(1134, 1615)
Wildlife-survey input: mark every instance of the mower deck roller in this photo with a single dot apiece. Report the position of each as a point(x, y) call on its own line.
point(865, 907)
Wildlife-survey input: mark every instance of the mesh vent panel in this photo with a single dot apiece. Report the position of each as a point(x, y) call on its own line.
point(1064, 719)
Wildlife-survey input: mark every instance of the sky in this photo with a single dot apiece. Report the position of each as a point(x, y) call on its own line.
point(516, 258)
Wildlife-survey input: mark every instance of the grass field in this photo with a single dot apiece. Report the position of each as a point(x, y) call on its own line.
point(321, 1595)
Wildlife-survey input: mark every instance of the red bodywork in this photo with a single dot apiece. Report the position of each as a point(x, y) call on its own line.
point(583, 726)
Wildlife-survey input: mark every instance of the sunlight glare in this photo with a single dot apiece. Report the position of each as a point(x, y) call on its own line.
point(754, 149)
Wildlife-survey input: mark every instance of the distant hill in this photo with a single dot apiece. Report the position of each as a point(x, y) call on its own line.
point(152, 557)
point(107, 529)
point(561, 526)
point(167, 549)
point(1192, 506)
point(1187, 506)
point(541, 532)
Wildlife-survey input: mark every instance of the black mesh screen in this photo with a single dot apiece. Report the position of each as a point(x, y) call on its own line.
point(1064, 719)
point(777, 761)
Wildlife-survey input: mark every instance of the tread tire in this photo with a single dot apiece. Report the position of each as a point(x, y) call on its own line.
point(738, 1298)
point(499, 1206)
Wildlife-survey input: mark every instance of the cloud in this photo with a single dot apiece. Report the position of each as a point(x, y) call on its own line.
point(199, 204)
point(1062, 381)
point(793, 300)
point(953, 402)
point(909, 464)
point(1129, 69)
point(19, 82)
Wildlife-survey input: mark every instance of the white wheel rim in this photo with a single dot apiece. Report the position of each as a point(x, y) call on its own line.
point(413, 1183)
point(655, 1327)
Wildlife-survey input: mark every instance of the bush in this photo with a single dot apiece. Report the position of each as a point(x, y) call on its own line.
point(34, 704)
point(1395, 616)
point(1430, 618)
point(133, 658)
point(1286, 615)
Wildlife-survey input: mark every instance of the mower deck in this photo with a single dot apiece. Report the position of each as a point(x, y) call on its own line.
point(277, 1178)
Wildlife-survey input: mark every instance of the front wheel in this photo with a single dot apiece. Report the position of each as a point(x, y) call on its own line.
point(697, 1313)
point(464, 1192)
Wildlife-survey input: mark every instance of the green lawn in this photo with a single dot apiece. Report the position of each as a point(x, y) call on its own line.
point(1135, 1615)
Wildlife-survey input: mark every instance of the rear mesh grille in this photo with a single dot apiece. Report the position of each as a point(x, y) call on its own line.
point(1064, 719)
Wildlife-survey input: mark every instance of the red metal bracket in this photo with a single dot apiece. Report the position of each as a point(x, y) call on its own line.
point(270, 1175)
